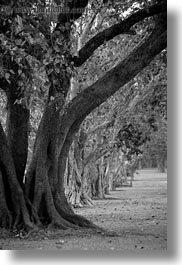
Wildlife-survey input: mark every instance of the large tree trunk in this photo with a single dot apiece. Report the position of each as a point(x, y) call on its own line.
point(45, 177)
point(44, 184)
point(13, 208)
point(17, 130)
point(13, 159)
point(42, 176)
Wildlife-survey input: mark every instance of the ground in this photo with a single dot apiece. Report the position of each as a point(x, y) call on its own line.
point(133, 218)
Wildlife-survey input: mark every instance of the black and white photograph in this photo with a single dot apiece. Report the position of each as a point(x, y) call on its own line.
point(83, 126)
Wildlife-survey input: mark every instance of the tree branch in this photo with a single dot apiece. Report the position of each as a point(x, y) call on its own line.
point(99, 152)
point(105, 124)
point(130, 106)
point(96, 94)
point(82, 105)
point(121, 28)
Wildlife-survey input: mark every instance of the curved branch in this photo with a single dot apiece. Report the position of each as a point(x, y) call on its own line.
point(96, 94)
point(105, 124)
point(121, 28)
point(99, 152)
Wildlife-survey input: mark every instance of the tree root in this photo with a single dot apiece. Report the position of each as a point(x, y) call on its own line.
point(77, 220)
point(63, 208)
point(79, 200)
point(86, 200)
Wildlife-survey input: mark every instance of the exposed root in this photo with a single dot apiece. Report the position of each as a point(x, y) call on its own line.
point(78, 220)
point(79, 200)
point(87, 200)
point(63, 223)
point(55, 217)
point(57, 224)
point(63, 209)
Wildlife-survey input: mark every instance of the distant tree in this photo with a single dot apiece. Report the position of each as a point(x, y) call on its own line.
point(144, 123)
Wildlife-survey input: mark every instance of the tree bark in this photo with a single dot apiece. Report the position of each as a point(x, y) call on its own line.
point(41, 178)
point(78, 190)
point(14, 202)
point(17, 130)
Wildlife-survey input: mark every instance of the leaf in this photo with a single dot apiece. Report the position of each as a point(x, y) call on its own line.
point(19, 26)
point(56, 48)
point(45, 62)
point(18, 42)
point(57, 70)
point(31, 40)
point(69, 70)
point(57, 60)
point(50, 71)
point(20, 83)
point(7, 76)
point(57, 32)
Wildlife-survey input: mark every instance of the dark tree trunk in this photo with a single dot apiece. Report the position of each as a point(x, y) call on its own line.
point(42, 178)
point(13, 203)
point(45, 177)
point(17, 130)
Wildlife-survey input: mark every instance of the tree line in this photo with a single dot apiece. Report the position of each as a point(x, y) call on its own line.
point(56, 72)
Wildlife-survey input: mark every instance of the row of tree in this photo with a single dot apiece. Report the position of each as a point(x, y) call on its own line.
point(57, 68)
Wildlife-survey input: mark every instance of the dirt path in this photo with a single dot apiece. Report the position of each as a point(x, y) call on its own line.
point(135, 218)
